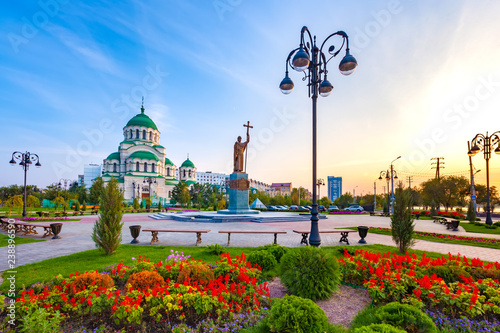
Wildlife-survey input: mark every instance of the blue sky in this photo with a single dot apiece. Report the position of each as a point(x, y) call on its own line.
point(73, 73)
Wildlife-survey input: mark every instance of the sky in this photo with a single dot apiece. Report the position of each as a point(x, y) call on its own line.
point(428, 80)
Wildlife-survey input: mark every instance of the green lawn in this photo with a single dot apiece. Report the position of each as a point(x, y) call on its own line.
point(94, 260)
point(438, 239)
point(19, 240)
point(469, 227)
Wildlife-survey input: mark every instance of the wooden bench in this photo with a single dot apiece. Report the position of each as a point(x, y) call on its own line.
point(94, 211)
point(27, 228)
point(344, 233)
point(229, 232)
point(154, 233)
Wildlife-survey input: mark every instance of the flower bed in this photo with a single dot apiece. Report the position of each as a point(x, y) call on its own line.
point(453, 215)
point(179, 292)
point(472, 288)
point(346, 213)
point(479, 240)
point(31, 219)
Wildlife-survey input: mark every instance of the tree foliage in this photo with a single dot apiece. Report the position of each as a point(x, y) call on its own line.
point(180, 193)
point(59, 201)
point(107, 231)
point(402, 220)
point(96, 191)
point(15, 201)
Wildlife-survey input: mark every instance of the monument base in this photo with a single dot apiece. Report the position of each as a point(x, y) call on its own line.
point(238, 195)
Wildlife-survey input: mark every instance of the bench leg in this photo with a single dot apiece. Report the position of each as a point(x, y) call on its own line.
point(198, 238)
point(304, 239)
point(275, 239)
point(155, 237)
point(343, 237)
point(48, 232)
point(228, 238)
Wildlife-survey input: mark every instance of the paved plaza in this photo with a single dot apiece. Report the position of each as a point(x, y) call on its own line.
point(75, 236)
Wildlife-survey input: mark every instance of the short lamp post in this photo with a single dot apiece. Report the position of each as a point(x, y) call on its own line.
point(25, 160)
point(390, 175)
point(486, 143)
point(310, 59)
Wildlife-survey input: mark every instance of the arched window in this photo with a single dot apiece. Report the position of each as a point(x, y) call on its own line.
point(168, 171)
point(184, 173)
point(137, 134)
point(137, 166)
point(145, 167)
point(150, 136)
point(169, 193)
point(189, 173)
point(131, 134)
point(114, 167)
point(153, 167)
point(144, 134)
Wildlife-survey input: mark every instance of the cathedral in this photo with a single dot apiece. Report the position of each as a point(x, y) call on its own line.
point(141, 165)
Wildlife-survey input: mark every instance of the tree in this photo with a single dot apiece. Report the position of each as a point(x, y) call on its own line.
point(59, 201)
point(136, 203)
point(471, 212)
point(82, 193)
point(15, 201)
point(455, 189)
point(84, 206)
point(180, 193)
point(32, 201)
point(402, 220)
point(344, 200)
point(76, 205)
point(96, 190)
point(107, 231)
point(482, 197)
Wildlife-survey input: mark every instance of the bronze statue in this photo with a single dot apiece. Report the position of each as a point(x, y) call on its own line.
point(239, 149)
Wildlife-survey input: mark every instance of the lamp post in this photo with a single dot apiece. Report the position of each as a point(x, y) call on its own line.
point(316, 74)
point(486, 143)
point(393, 175)
point(374, 196)
point(25, 159)
point(65, 181)
point(354, 194)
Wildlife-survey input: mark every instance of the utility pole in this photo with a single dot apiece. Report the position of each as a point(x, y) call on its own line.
point(410, 178)
point(374, 196)
point(438, 165)
point(472, 186)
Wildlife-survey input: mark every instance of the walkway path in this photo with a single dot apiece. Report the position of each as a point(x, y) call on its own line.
point(76, 236)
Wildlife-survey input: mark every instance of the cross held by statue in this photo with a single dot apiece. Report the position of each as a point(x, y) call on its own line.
point(247, 126)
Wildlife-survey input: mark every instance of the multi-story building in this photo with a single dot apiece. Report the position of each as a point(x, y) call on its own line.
point(211, 178)
point(334, 187)
point(260, 186)
point(281, 189)
point(90, 173)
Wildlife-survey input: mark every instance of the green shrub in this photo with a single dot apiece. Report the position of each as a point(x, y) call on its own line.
point(296, 314)
point(41, 321)
point(497, 224)
point(378, 328)
point(449, 273)
point(490, 226)
point(264, 259)
point(276, 250)
point(484, 273)
point(309, 272)
point(216, 249)
point(471, 212)
point(403, 316)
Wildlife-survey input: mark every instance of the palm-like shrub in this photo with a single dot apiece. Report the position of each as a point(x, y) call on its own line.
point(309, 272)
point(107, 231)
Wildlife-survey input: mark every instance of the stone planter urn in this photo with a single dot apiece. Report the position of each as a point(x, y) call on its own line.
point(363, 231)
point(56, 229)
point(135, 230)
point(455, 224)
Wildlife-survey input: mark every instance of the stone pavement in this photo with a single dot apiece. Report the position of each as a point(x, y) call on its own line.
point(75, 236)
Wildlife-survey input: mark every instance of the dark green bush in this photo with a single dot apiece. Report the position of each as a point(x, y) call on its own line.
point(378, 328)
point(484, 273)
point(491, 226)
point(263, 258)
point(448, 273)
point(309, 272)
point(216, 249)
point(277, 250)
point(296, 314)
point(403, 316)
point(497, 224)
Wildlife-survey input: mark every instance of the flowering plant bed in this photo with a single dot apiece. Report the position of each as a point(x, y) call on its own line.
point(453, 285)
point(346, 213)
point(179, 292)
point(447, 238)
point(32, 219)
point(453, 215)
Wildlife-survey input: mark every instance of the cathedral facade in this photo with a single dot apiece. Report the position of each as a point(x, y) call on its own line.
point(142, 166)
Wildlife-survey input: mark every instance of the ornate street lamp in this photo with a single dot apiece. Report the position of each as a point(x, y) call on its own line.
point(486, 143)
point(393, 175)
point(25, 159)
point(311, 58)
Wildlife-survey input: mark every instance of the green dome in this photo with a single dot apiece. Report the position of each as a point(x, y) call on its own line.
point(113, 156)
point(168, 161)
point(142, 120)
point(187, 164)
point(144, 155)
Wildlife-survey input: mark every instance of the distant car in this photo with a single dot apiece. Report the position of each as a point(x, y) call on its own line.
point(333, 208)
point(321, 208)
point(302, 208)
point(294, 207)
point(280, 208)
point(308, 207)
point(271, 208)
point(354, 208)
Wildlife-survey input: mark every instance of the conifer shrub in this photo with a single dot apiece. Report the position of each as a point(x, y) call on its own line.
point(296, 314)
point(84, 206)
point(76, 205)
point(403, 316)
point(471, 212)
point(402, 226)
point(135, 204)
point(263, 258)
point(91, 279)
point(276, 250)
point(145, 279)
point(378, 328)
point(107, 231)
point(309, 272)
point(195, 271)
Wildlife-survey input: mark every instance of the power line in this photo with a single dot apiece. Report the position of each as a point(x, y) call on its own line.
point(438, 166)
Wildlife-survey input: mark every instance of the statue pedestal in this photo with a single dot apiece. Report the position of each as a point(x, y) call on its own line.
point(238, 195)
